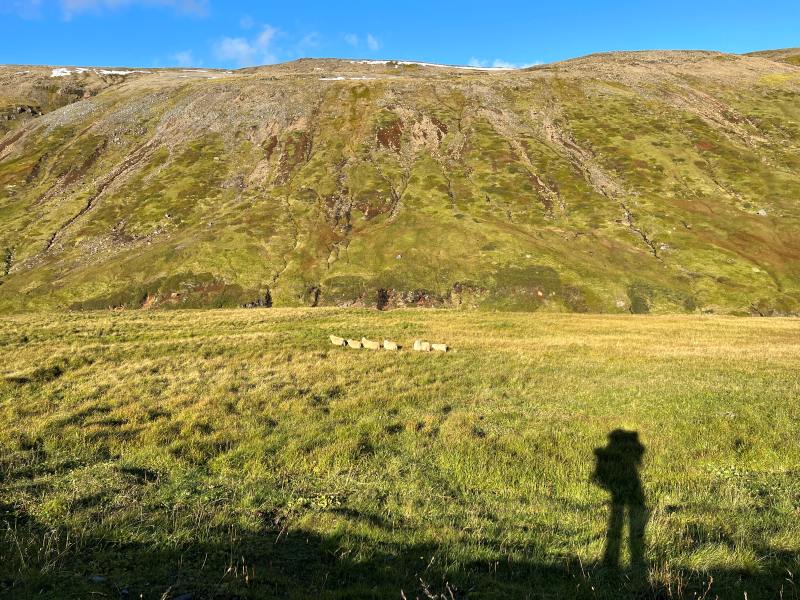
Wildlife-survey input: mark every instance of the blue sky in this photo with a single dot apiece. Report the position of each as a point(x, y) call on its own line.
point(217, 33)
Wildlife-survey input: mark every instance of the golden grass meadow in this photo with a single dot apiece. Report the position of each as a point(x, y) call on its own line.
point(238, 454)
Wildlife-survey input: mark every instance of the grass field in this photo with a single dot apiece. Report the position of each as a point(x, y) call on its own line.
point(237, 454)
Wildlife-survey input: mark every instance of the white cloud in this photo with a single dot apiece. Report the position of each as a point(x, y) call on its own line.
point(354, 40)
point(372, 42)
point(309, 40)
point(266, 36)
point(185, 58)
point(244, 52)
point(237, 50)
point(499, 64)
point(71, 8)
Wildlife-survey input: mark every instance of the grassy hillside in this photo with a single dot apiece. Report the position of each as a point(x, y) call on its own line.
point(787, 55)
point(236, 454)
point(629, 182)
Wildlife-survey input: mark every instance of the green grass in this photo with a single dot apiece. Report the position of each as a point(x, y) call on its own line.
point(236, 453)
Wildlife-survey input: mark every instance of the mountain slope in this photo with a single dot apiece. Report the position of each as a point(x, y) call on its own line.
point(787, 55)
point(652, 181)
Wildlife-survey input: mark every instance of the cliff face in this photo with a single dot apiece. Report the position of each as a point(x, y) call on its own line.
point(654, 181)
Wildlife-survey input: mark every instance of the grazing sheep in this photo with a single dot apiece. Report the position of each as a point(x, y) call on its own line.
point(439, 347)
point(337, 341)
point(387, 345)
point(353, 344)
point(421, 346)
point(369, 344)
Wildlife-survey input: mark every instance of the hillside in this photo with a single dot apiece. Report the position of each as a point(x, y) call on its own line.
point(641, 182)
point(787, 55)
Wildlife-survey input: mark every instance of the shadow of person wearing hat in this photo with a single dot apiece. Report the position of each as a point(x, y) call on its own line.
point(617, 471)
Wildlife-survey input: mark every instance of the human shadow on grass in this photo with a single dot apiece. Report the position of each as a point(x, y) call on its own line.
point(617, 471)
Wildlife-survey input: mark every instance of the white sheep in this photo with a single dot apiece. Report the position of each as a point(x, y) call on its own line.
point(387, 345)
point(421, 346)
point(369, 344)
point(337, 341)
point(353, 344)
point(439, 347)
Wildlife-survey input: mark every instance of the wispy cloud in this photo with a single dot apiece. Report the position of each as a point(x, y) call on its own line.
point(185, 58)
point(499, 64)
point(309, 40)
point(372, 42)
point(355, 40)
point(72, 8)
point(245, 52)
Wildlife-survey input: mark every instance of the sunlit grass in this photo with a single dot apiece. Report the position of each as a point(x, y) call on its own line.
point(238, 453)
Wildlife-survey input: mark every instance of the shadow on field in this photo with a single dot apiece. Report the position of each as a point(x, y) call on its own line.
point(278, 561)
point(617, 471)
point(301, 564)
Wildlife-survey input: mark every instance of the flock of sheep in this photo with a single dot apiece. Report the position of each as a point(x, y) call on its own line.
point(419, 345)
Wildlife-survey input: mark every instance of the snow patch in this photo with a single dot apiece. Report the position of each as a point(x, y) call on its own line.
point(64, 71)
point(107, 72)
point(424, 64)
point(340, 78)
